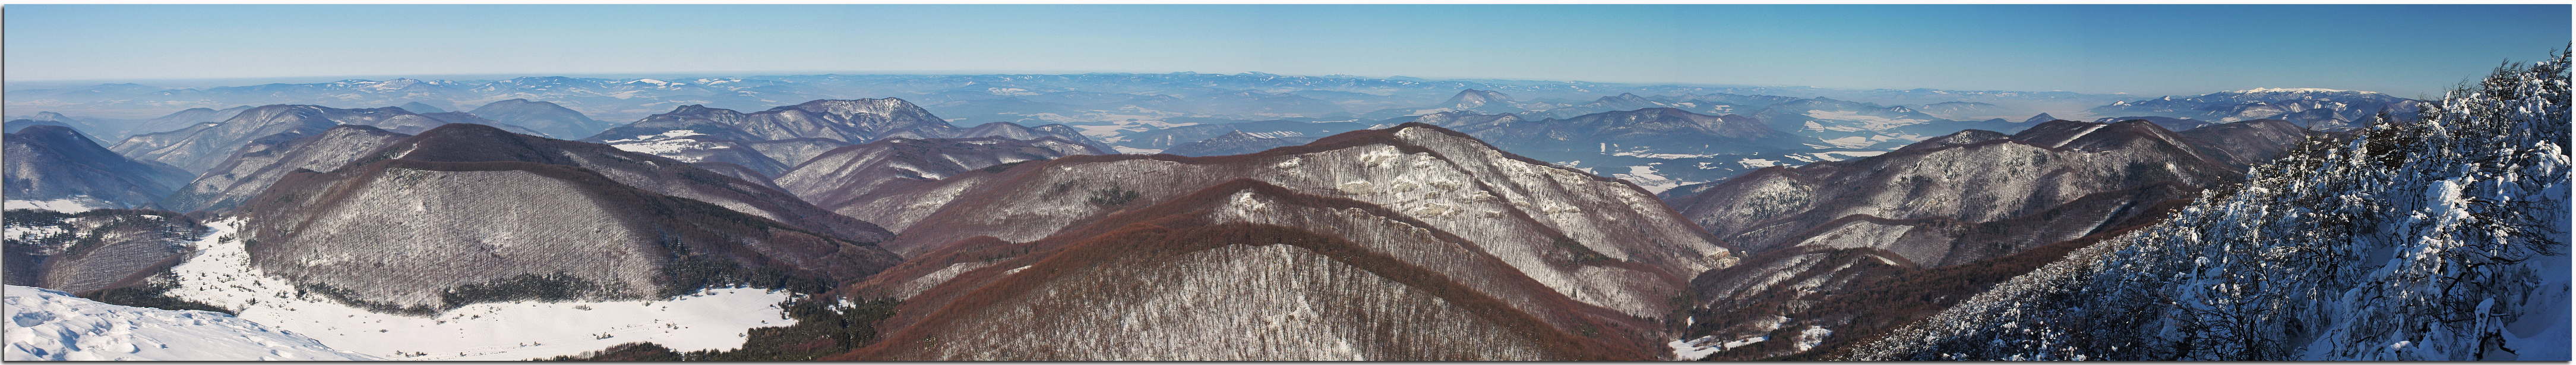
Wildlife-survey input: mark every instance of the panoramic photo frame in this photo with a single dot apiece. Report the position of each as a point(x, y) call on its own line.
point(1237, 182)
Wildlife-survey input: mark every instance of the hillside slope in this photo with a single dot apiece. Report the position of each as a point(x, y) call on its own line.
point(1516, 230)
point(2444, 239)
point(54, 163)
point(260, 163)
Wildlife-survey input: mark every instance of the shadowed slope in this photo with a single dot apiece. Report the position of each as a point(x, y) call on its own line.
point(48, 162)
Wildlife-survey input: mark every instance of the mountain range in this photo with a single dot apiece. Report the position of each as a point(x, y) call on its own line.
point(2323, 109)
point(1585, 257)
point(1266, 217)
point(1971, 203)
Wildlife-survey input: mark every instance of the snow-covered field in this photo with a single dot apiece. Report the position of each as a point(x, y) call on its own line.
point(1645, 177)
point(220, 274)
point(72, 205)
point(51, 325)
point(668, 144)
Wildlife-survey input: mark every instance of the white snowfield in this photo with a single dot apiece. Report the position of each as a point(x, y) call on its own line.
point(220, 273)
point(66, 205)
point(49, 325)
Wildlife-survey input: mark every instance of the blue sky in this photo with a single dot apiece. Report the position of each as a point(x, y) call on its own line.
point(2143, 49)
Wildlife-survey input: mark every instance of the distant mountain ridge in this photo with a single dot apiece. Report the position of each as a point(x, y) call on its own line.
point(200, 147)
point(2322, 109)
point(702, 135)
point(49, 162)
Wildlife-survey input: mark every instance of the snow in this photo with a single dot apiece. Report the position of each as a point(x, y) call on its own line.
point(1643, 153)
point(665, 135)
point(668, 144)
point(1645, 177)
point(1855, 141)
point(219, 273)
point(1832, 155)
point(66, 205)
point(1686, 351)
point(1706, 345)
point(2456, 252)
point(25, 233)
point(1755, 163)
point(1812, 336)
point(2080, 135)
point(1136, 151)
point(672, 148)
point(49, 325)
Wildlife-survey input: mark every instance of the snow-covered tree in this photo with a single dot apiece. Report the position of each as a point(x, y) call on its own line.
point(2443, 238)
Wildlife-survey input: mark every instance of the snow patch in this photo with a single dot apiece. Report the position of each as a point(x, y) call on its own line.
point(1645, 177)
point(67, 205)
point(2078, 135)
point(1812, 336)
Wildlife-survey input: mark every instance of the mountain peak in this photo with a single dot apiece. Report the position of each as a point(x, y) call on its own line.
point(2041, 118)
point(1472, 98)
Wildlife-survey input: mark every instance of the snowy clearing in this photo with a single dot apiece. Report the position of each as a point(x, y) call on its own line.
point(220, 274)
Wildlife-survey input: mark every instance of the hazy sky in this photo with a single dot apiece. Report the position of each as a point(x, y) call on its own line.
point(2146, 49)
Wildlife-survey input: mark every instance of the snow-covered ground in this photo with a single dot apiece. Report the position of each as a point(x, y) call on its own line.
point(68, 205)
point(1692, 350)
point(1833, 156)
point(1812, 336)
point(1645, 177)
point(51, 325)
point(2457, 251)
point(220, 274)
point(670, 144)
